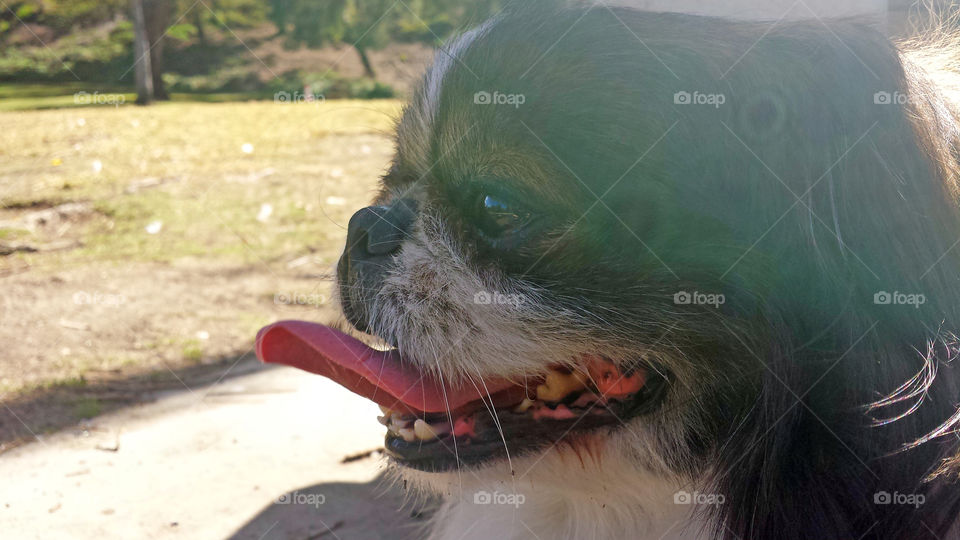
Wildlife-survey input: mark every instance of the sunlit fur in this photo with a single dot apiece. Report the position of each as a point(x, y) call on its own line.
point(613, 498)
point(799, 399)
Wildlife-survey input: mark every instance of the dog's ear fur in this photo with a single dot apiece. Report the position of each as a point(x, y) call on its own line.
point(807, 461)
point(828, 177)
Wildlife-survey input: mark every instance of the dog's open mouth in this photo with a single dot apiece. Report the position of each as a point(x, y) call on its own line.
point(435, 425)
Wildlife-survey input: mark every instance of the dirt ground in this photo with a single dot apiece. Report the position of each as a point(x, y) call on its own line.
point(142, 248)
point(263, 453)
point(88, 339)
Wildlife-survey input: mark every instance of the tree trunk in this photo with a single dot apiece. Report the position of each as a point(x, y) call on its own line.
point(142, 72)
point(367, 66)
point(157, 15)
point(198, 24)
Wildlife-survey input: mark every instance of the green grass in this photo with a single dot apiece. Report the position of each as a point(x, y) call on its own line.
point(39, 90)
point(183, 165)
point(22, 97)
point(193, 351)
point(86, 407)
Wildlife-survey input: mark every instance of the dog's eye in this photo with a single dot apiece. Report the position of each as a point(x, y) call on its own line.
point(500, 218)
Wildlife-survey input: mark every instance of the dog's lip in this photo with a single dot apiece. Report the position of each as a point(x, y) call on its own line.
point(380, 376)
point(444, 443)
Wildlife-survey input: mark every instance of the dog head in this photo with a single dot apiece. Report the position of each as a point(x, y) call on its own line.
point(673, 237)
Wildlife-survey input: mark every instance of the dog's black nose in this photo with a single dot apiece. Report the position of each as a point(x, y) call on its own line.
point(379, 230)
point(374, 234)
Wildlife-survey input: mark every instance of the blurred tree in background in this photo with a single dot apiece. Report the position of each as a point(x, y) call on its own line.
point(431, 21)
point(370, 24)
point(222, 14)
point(59, 15)
point(95, 40)
point(150, 18)
point(357, 22)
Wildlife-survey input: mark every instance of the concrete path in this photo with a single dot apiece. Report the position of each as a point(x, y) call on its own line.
point(256, 456)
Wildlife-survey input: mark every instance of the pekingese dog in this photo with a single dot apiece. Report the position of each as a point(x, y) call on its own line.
point(652, 275)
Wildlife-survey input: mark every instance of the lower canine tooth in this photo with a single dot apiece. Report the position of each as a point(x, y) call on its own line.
point(407, 434)
point(383, 420)
point(523, 406)
point(423, 431)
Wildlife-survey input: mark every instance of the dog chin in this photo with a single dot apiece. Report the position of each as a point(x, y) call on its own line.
point(596, 485)
point(593, 455)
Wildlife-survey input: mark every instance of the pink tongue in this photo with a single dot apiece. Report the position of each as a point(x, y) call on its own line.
point(376, 375)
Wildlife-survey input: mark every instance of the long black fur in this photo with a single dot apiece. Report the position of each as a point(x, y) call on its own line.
point(799, 199)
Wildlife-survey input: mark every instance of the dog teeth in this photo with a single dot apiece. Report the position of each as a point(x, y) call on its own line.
point(410, 428)
point(524, 406)
point(558, 385)
point(398, 423)
point(423, 431)
point(395, 421)
point(385, 411)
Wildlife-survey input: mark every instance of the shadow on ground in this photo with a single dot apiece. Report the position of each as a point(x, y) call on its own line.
point(345, 511)
point(64, 405)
